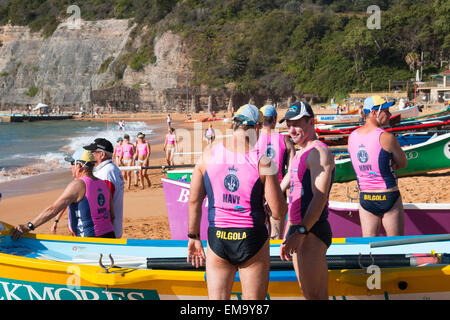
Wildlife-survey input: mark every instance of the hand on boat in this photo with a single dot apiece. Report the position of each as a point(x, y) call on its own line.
point(19, 231)
point(196, 254)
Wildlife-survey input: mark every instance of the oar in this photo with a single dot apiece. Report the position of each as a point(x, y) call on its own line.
point(336, 262)
point(397, 242)
point(163, 167)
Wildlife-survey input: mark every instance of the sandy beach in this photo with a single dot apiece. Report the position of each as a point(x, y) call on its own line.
point(145, 210)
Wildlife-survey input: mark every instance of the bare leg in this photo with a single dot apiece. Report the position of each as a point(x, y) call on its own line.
point(254, 275)
point(219, 276)
point(370, 223)
point(311, 267)
point(393, 220)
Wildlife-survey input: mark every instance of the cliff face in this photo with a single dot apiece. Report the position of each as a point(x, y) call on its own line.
point(62, 69)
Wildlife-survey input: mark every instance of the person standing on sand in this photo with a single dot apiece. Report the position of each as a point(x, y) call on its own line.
point(141, 157)
point(118, 152)
point(170, 145)
point(375, 155)
point(311, 175)
point(106, 170)
point(280, 149)
point(169, 121)
point(210, 135)
point(127, 158)
point(89, 199)
point(235, 180)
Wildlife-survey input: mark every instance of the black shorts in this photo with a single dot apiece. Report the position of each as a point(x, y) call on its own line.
point(236, 245)
point(321, 229)
point(108, 235)
point(378, 203)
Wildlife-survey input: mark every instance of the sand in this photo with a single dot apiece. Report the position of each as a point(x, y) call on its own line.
point(145, 215)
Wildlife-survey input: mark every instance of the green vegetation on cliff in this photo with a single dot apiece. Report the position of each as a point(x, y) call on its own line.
point(274, 47)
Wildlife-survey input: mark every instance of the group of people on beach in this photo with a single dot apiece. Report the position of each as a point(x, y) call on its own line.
point(245, 178)
point(133, 154)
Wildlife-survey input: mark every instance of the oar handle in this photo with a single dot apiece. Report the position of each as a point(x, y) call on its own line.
point(397, 242)
point(335, 262)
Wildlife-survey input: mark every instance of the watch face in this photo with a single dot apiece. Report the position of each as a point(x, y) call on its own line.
point(302, 229)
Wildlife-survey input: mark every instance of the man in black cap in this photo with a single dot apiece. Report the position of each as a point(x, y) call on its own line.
point(106, 170)
point(309, 180)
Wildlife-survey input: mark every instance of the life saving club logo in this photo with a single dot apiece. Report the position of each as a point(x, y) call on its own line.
point(362, 154)
point(231, 181)
point(270, 151)
point(100, 198)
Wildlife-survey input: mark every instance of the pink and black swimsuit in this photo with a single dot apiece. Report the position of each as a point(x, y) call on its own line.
point(301, 195)
point(236, 215)
point(373, 168)
point(273, 146)
point(91, 217)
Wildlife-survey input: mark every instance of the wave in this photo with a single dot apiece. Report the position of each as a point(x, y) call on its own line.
point(35, 164)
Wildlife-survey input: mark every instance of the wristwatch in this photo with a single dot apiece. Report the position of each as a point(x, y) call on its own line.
point(31, 226)
point(193, 236)
point(302, 229)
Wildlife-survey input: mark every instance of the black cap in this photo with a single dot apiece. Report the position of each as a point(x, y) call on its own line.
point(100, 143)
point(297, 111)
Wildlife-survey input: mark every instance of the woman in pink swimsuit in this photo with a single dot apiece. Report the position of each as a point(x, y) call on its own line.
point(142, 158)
point(127, 158)
point(235, 179)
point(170, 145)
point(118, 153)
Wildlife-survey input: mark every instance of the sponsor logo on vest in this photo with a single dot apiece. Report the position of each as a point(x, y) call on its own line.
point(228, 235)
point(375, 197)
point(362, 154)
point(231, 181)
point(270, 151)
point(101, 198)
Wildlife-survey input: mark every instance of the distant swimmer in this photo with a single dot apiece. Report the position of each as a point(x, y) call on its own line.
point(235, 179)
point(170, 145)
point(280, 149)
point(375, 155)
point(141, 157)
point(91, 212)
point(311, 174)
point(121, 125)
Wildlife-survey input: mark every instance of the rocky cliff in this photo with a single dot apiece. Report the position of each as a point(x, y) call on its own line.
point(77, 67)
point(62, 69)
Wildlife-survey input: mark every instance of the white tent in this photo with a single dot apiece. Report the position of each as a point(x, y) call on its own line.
point(39, 106)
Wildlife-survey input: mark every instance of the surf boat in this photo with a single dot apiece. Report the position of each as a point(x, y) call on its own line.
point(47, 267)
point(409, 112)
point(431, 155)
point(420, 218)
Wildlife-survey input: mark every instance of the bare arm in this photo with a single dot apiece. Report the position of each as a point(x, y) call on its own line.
point(196, 253)
point(321, 164)
point(272, 190)
point(74, 192)
point(390, 143)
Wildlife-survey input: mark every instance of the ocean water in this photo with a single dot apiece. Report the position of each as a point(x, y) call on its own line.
point(33, 148)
